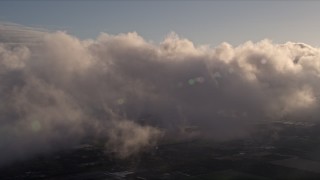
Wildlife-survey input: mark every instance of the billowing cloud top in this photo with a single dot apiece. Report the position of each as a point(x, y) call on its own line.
point(57, 89)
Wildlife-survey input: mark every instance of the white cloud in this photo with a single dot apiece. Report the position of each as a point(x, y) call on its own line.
point(59, 89)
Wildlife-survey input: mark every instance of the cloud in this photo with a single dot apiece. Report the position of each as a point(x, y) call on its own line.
point(57, 89)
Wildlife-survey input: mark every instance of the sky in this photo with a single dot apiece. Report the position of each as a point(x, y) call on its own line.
point(203, 22)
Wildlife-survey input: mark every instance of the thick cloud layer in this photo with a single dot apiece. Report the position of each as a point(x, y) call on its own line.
point(56, 89)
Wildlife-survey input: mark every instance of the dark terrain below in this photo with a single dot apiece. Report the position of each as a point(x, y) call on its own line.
point(279, 151)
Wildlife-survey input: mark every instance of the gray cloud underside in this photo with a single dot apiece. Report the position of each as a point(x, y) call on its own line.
point(56, 89)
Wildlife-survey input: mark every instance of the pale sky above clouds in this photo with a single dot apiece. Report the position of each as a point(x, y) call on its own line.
point(203, 22)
